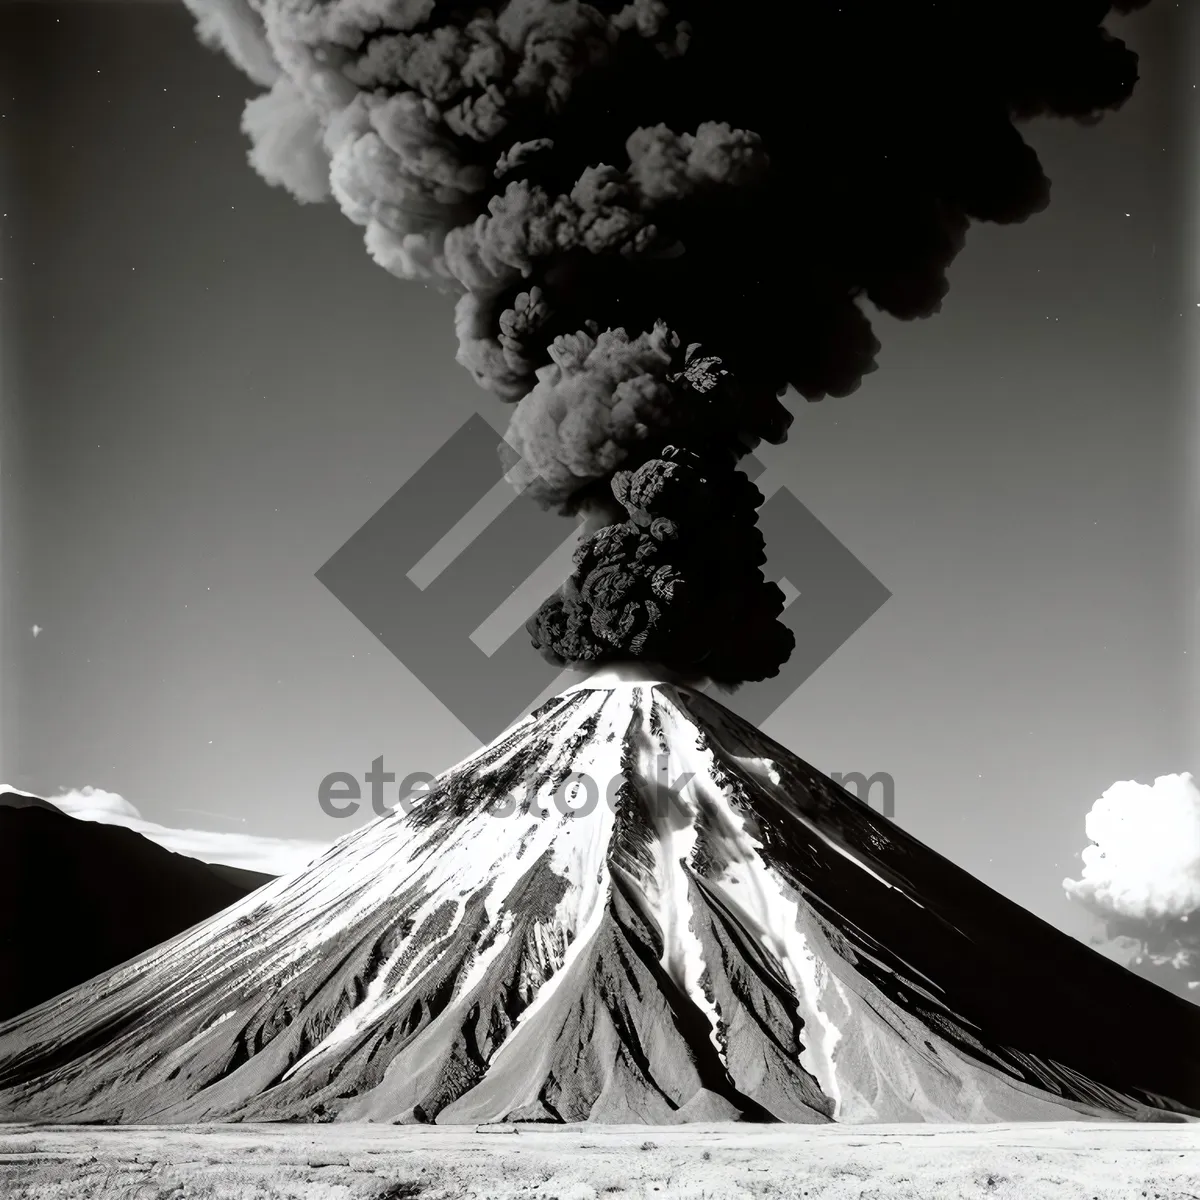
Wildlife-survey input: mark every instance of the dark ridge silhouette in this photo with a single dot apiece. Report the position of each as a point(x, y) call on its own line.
point(79, 897)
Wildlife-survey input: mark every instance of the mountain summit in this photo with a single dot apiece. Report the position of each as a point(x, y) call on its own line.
point(700, 927)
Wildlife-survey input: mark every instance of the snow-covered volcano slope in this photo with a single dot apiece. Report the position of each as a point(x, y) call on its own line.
point(755, 944)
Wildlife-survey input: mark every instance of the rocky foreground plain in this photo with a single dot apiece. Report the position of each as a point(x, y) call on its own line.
point(349, 1161)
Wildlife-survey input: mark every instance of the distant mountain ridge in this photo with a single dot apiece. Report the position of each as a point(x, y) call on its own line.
point(758, 946)
point(10, 799)
point(79, 897)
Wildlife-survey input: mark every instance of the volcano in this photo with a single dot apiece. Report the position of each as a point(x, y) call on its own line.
point(632, 907)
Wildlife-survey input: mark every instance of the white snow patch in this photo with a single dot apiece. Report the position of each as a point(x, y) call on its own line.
point(752, 889)
point(667, 891)
point(483, 852)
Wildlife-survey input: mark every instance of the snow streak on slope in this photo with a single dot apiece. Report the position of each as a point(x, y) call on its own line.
point(632, 906)
point(757, 896)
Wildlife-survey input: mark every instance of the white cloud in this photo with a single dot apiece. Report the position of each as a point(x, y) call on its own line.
point(273, 856)
point(95, 804)
point(1144, 862)
point(1141, 874)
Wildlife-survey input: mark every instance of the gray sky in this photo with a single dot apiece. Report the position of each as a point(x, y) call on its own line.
point(208, 388)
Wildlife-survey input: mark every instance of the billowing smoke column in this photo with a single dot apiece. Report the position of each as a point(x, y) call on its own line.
point(657, 217)
point(686, 561)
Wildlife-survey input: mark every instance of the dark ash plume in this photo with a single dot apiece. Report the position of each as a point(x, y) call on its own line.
point(686, 560)
point(661, 215)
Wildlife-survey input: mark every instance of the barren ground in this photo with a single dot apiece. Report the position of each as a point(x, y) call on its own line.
point(710, 1162)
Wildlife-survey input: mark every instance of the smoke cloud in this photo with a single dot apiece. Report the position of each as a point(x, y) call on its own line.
point(235, 27)
point(687, 560)
point(660, 216)
point(1141, 874)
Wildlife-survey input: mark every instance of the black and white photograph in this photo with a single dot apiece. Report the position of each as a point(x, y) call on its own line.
point(599, 599)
